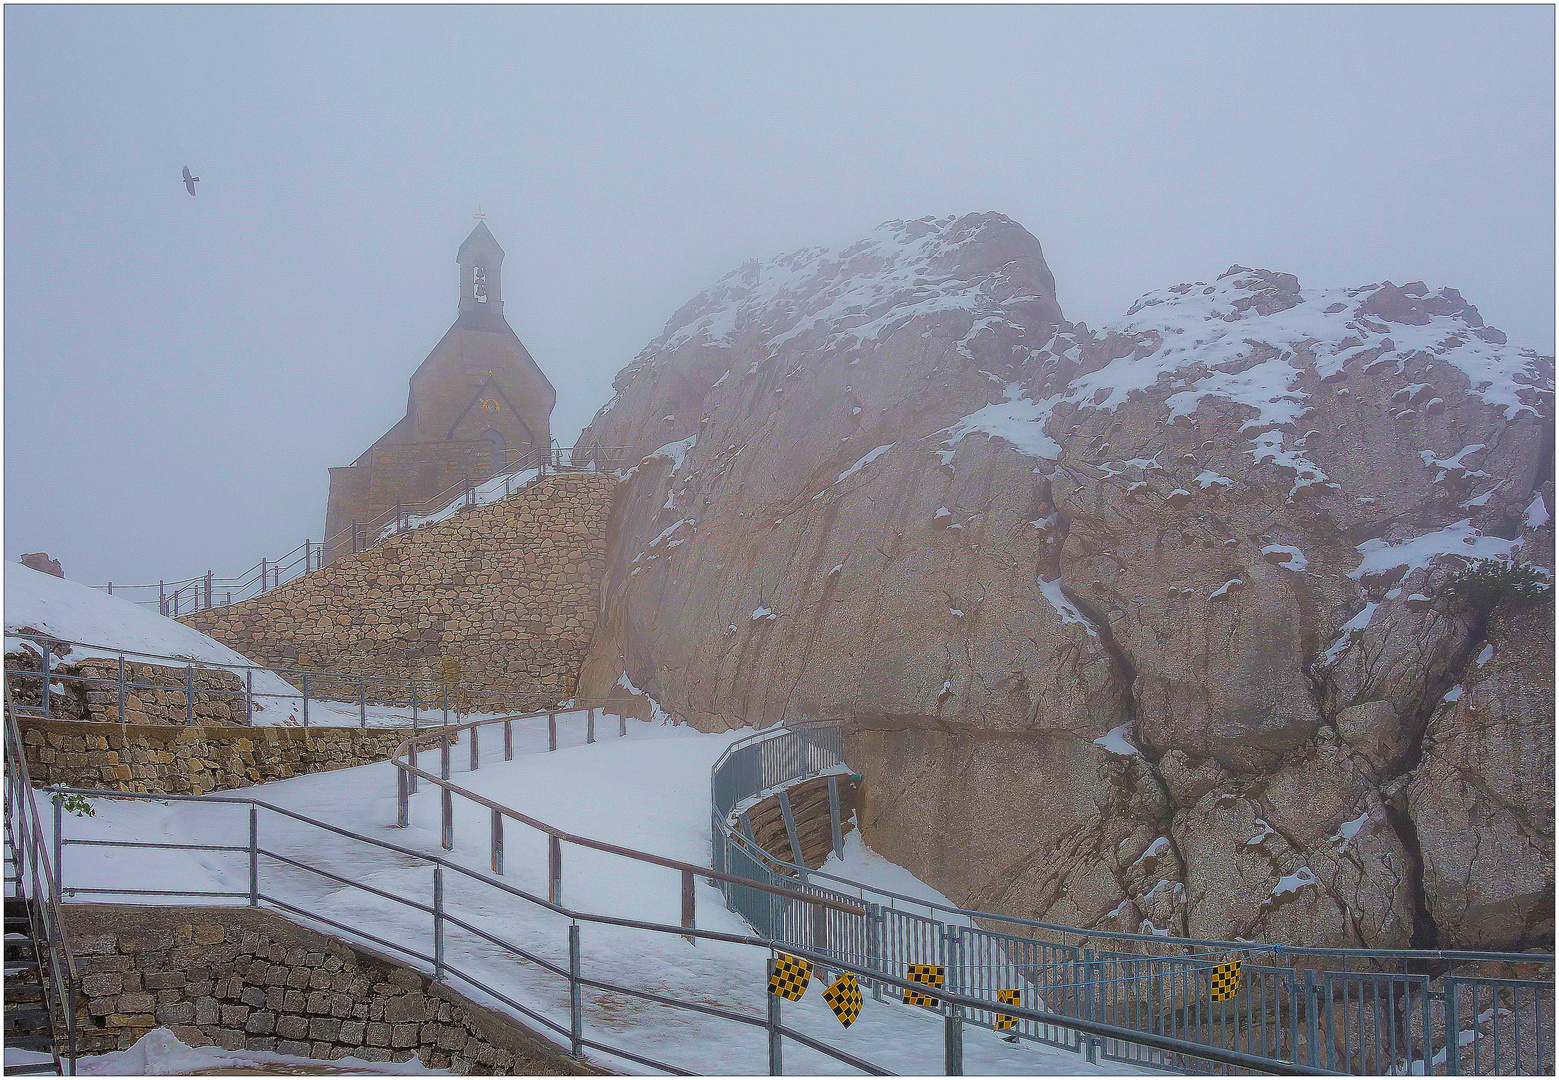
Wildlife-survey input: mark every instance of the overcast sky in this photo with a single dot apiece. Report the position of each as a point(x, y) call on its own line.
point(180, 372)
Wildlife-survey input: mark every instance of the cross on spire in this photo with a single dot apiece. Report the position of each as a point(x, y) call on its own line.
point(479, 215)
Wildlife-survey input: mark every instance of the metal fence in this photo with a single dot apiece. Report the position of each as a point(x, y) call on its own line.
point(186, 595)
point(36, 883)
point(1356, 1011)
point(435, 934)
point(36, 678)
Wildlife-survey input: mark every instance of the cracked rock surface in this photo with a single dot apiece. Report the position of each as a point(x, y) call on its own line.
point(1142, 628)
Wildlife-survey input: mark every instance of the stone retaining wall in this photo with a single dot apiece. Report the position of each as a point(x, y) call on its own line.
point(177, 760)
point(508, 590)
point(154, 693)
point(249, 979)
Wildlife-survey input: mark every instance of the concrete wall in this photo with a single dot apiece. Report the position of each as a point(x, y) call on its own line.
point(168, 760)
point(249, 979)
point(509, 590)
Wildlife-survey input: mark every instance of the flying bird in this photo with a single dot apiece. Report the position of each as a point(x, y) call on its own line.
point(190, 181)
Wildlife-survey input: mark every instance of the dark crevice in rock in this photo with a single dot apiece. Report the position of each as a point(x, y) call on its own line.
point(1426, 933)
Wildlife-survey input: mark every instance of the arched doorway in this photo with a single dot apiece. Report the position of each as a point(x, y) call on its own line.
point(498, 456)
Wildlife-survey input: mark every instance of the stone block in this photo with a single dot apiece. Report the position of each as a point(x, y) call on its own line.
point(253, 996)
point(324, 1027)
point(261, 1023)
point(102, 984)
point(176, 1012)
point(410, 1007)
point(377, 1034)
point(292, 1047)
point(292, 1027)
point(235, 1016)
point(135, 1003)
point(207, 1010)
point(228, 1038)
point(132, 1020)
point(352, 1032)
point(163, 980)
point(404, 1035)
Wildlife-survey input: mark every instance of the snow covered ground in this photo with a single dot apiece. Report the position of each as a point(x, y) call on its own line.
point(648, 791)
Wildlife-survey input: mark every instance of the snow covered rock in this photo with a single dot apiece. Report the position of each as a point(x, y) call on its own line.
point(1216, 528)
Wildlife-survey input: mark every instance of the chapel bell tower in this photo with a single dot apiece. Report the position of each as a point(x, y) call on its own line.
point(481, 273)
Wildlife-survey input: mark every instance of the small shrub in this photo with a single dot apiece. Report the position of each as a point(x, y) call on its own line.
point(1488, 581)
point(79, 805)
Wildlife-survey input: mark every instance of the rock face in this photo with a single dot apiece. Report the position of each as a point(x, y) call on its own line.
point(40, 561)
point(1144, 628)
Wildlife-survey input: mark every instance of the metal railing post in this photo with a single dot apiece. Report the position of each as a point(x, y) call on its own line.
point(46, 679)
point(446, 803)
point(162, 599)
point(443, 756)
point(590, 726)
point(411, 759)
point(254, 856)
point(554, 869)
point(354, 538)
point(1312, 1026)
point(402, 803)
point(306, 566)
point(208, 590)
point(688, 901)
point(414, 711)
point(508, 740)
point(121, 688)
point(1453, 1057)
point(622, 724)
point(59, 845)
point(874, 957)
point(362, 703)
point(576, 1010)
point(438, 922)
point(189, 695)
point(793, 835)
point(475, 762)
point(776, 1040)
point(1089, 1005)
point(305, 701)
point(249, 696)
point(552, 731)
point(835, 826)
point(446, 703)
point(496, 843)
point(953, 1041)
point(264, 577)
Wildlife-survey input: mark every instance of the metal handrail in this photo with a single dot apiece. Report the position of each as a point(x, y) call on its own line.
point(953, 1004)
point(30, 855)
point(449, 734)
point(1119, 950)
point(315, 555)
point(736, 837)
point(439, 698)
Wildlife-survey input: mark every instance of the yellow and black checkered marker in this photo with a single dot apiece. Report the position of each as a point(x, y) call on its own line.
point(844, 997)
point(790, 977)
point(1003, 1021)
point(927, 975)
point(1226, 980)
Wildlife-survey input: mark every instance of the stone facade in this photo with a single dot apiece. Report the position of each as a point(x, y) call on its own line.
point(476, 404)
point(191, 760)
point(509, 590)
point(247, 979)
point(154, 693)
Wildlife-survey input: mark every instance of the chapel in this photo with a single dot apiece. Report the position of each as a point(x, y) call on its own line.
point(477, 404)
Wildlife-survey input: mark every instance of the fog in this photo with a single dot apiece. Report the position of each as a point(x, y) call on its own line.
point(180, 372)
